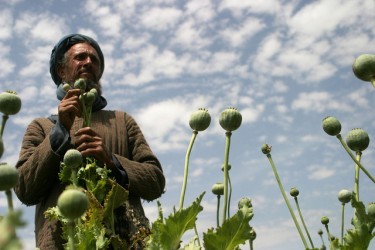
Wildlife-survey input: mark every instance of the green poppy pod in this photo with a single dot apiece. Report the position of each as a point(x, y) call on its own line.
point(230, 119)
point(244, 202)
point(331, 126)
point(200, 120)
point(80, 84)
point(266, 149)
point(66, 87)
point(72, 203)
point(253, 234)
point(364, 67)
point(294, 192)
point(8, 176)
point(73, 158)
point(344, 196)
point(324, 220)
point(371, 210)
point(10, 103)
point(357, 139)
point(218, 188)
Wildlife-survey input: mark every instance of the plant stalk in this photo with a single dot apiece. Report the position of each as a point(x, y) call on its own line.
point(226, 175)
point(303, 222)
point(286, 200)
point(3, 122)
point(356, 175)
point(342, 222)
point(218, 211)
point(71, 235)
point(8, 194)
point(354, 159)
point(186, 168)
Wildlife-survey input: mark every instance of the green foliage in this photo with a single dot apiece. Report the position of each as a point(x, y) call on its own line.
point(94, 230)
point(166, 235)
point(233, 232)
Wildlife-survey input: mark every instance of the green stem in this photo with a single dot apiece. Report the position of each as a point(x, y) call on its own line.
point(328, 233)
point(71, 235)
point(287, 201)
point(342, 223)
point(8, 194)
point(197, 235)
point(373, 83)
point(251, 244)
point(354, 159)
point(218, 211)
point(303, 222)
point(3, 122)
point(226, 175)
point(230, 194)
point(356, 178)
point(74, 177)
point(186, 168)
point(321, 237)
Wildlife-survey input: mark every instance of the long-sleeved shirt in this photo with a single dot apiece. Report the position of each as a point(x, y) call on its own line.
point(39, 165)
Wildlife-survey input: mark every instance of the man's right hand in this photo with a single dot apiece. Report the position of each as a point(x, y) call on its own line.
point(69, 108)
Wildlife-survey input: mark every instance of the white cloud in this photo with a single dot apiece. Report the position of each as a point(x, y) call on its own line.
point(318, 101)
point(6, 20)
point(190, 36)
point(158, 18)
point(254, 6)
point(38, 27)
point(201, 10)
point(320, 173)
point(322, 17)
point(239, 35)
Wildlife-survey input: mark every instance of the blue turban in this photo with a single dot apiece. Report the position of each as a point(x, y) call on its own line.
point(64, 45)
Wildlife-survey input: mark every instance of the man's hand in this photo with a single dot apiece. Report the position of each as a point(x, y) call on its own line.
point(89, 143)
point(69, 108)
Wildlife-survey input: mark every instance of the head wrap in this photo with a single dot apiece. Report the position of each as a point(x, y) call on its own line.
point(64, 45)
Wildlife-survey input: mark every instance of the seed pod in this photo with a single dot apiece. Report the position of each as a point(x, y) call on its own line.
point(371, 210)
point(229, 167)
point(66, 87)
point(357, 139)
point(294, 192)
point(230, 119)
point(253, 234)
point(324, 220)
point(344, 196)
point(89, 98)
point(80, 84)
point(10, 103)
point(266, 149)
point(73, 158)
point(244, 202)
point(8, 176)
point(200, 120)
point(1, 146)
point(331, 126)
point(218, 188)
point(320, 232)
point(364, 67)
point(72, 203)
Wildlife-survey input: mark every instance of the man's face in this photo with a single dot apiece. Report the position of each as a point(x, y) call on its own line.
point(82, 61)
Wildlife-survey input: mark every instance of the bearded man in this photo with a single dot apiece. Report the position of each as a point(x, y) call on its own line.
point(113, 138)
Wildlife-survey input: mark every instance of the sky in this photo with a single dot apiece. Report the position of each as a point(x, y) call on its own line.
point(284, 64)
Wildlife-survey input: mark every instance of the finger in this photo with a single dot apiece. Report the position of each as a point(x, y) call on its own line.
point(72, 92)
point(87, 131)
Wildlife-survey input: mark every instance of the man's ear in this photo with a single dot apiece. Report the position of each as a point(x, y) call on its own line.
point(61, 71)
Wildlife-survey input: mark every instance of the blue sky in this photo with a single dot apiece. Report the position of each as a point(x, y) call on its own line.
point(285, 65)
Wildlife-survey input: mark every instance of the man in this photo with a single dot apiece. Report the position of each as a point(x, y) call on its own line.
point(113, 138)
